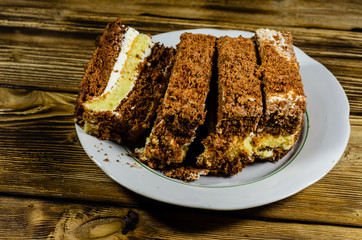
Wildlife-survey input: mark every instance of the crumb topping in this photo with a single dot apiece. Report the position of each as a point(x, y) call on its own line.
point(183, 107)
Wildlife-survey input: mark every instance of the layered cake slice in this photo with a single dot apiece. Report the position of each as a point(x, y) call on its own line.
point(284, 99)
point(183, 107)
point(239, 109)
point(123, 84)
point(258, 99)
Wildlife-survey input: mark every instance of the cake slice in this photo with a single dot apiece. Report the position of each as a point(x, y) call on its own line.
point(123, 84)
point(284, 99)
point(240, 106)
point(183, 107)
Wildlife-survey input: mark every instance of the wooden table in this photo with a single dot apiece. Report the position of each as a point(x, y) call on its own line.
point(50, 188)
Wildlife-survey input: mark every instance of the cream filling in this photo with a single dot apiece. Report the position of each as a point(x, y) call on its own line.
point(90, 128)
point(266, 143)
point(240, 146)
point(237, 147)
point(136, 48)
point(290, 98)
point(129, 37)
point(262, 146)
point(281, 45)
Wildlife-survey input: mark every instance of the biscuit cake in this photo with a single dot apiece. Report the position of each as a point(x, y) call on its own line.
point(183, 108)
point(133, 88)
point(283, 96)
point(123, 84)
point(239, 109)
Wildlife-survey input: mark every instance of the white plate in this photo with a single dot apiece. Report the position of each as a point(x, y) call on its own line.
point(322, 142)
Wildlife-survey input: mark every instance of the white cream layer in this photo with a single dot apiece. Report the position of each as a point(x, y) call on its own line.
point(276, 39)
point(145, 54)
point(129, 37)
point(291, 98)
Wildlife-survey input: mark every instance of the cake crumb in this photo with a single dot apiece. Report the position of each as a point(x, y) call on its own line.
point(105, 154)
point(91, 156)
point(106, 160)
point(117, 160)
point(110, 146)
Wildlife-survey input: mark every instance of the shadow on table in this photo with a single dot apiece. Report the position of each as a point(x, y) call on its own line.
point(160, 218)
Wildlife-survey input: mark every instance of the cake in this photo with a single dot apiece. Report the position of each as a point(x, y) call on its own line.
point(183, 108)
point(123, 84)
point(251, 87)
point(283, 96)
point(239, 109)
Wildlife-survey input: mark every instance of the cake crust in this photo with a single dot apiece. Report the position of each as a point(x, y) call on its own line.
point(183, 107)
point(284, 99)
point(135, 112)
point(259, 110)
point(239, 107)
point(281, 82)
point(138, 109)
point(100, 66)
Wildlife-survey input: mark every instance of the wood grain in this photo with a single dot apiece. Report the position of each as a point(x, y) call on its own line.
point(83, 16)
point(44, 219)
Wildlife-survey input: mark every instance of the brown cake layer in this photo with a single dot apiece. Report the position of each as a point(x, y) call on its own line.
point(240, 102)
point(239, 106)
point(280, 76)
point(284, 99)
point(183, 108)
point(259, 108)
point(138, 109)
point(100, 66)
point(136, 112)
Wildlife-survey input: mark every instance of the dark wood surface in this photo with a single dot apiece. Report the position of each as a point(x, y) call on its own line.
point(49, 188)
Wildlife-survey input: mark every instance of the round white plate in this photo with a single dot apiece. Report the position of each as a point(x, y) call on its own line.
point(321, 144)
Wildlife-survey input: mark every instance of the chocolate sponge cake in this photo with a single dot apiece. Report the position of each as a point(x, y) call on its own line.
point(183, 107)
point(123, 84)
point(284, 99)
point(251, 88)
point(239, 109)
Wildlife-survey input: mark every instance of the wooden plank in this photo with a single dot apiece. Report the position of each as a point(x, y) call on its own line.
point(37, 132)
point(41, 157)
point(43, 62)
point(82, 16)
point(29, 218)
